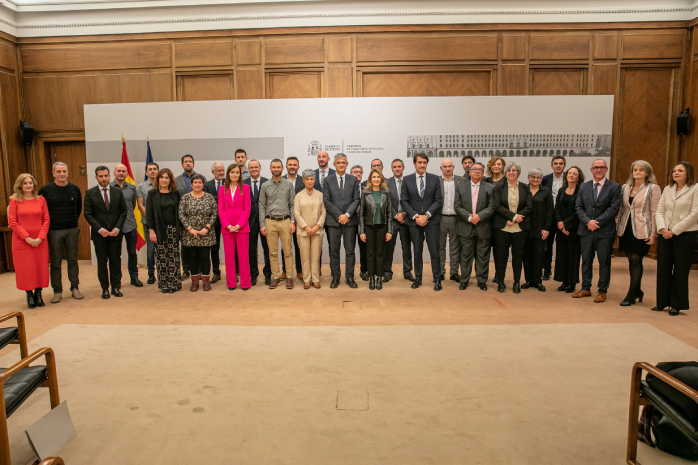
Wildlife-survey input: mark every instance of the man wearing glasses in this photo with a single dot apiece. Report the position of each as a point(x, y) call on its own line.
point(597, 205)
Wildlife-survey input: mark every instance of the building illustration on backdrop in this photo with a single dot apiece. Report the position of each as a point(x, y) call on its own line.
point(510, 145)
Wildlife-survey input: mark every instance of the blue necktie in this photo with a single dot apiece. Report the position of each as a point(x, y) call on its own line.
point(421, 187)
point(596, 191)
point(256, 189)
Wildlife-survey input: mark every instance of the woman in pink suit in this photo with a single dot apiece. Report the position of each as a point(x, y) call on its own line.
point(234, 212)
point(29, 221)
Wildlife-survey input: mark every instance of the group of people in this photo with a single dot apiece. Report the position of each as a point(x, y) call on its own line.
point(476, 216)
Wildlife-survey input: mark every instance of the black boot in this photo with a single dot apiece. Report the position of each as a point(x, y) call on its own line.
point(372, 282)
point(30, 300)
point(379, 283)
point(38, 300)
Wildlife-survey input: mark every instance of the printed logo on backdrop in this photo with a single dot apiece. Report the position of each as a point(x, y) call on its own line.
point(348, 149)
point(510, 145)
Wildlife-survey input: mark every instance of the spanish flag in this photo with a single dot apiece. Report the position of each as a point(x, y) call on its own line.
point(140, 240)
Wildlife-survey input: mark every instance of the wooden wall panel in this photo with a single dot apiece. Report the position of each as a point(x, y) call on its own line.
point(514, 46)
point(208, 53)
point(557, 82)
point(294, 50)
point(340, 81)
point(84, 57)
point(205, 87)
point(556, 46)
point(11, 114)
point(294, 85)
point(339, 50)
point(513, 79)
point(249, 52)
point(427, 84)
point(605, 46)
point(8, 56)
point(415, 47)
point(666, 45)
point(604, 79)
point(249, 84)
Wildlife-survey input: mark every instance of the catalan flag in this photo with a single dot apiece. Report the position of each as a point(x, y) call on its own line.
point(140, 240)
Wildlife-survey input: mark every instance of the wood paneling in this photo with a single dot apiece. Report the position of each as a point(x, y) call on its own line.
point(557, 82)
point(8, 56)
point(605, 46)
point(340, 81)
point(560, 46)
point(427, 84)
point(294, 50)
point(208, 53)
point(11, 114)
point(294, 85)
point(513, 79)
point(339, 50)
point(249, 52)
point(217, 87)
point(604, 79)
point(415, 47)
point(514, 46)
point(669, 45)
point(84, 57)
point(249, 83)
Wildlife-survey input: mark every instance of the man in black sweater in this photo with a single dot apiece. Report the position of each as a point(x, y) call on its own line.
point(64, 201)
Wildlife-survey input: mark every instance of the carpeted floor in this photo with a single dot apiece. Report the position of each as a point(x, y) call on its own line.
point(475, 394)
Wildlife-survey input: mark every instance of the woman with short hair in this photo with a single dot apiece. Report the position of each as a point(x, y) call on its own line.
point(375, 225)
point(541, 221)
point(309, 211)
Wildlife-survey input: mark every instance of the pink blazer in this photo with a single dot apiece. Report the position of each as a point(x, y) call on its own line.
point(234, 212)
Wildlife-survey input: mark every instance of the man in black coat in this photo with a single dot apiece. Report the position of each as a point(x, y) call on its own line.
point(421, 200)
point(212, 186)
point(554, 182)
point(255, 182)
point(105, 211)
point(399, 226)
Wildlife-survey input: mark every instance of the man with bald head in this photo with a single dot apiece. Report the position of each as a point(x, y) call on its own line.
point(324, 170)
point(448, 232)
point(212, 186)
point(130, 231)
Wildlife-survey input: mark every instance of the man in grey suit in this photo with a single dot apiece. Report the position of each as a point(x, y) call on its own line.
point(449, 183)
point(597, 205)
point(341, 195)
point(473, 204)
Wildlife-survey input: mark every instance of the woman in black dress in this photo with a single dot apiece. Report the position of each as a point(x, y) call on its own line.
point(568, 250)
point(495, 175)
point(541, 221)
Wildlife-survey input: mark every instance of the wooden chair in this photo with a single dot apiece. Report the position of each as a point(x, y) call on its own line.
point(17, 383)
point(642, 394)
point(52, 461)
point(14, 334)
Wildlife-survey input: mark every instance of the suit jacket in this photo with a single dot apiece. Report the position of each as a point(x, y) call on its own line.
point(394, 199)
point(297, 183)
point(367, 211)
point(641, 213)
point(604, 210)
point(542, 212)
point(463, 205)
point(678, 211)
point(254, 201)
point(234, 211)
point(179, 181)
point(456, 180)
point(568, 216)
point(98, 216)
point(547, 181)
point(211, 188)
point(500, 205)
point(319, 186)
point(337, 204)
point(412, 204)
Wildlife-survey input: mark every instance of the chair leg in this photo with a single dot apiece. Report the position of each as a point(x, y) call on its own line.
point(5, 458)
point(633, 415)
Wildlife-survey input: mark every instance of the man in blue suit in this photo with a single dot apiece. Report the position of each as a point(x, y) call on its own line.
point(421, 200)
point(597, 205)
point(212, 186)
point(255, 182)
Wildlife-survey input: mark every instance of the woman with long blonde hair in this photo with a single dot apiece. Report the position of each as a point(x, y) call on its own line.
point(375, 225)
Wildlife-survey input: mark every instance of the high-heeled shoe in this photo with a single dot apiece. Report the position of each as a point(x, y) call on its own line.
point(640, 295)
point(627, 302)
point(372, 282)
point(379, 283)
point(30, 300)
point(563, 287)
point(673, 311)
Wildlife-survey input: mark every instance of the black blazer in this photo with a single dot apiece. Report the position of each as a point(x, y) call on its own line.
point(318, 186)
point(501, 206)
point(394, 199)
point(337, 204)
point(568, 215)
point(541, 212)
point(368, 210)
point(413, 204)
point(547, 181)
point(604, 210)
point(153, 213)
point(297, 183)
point(211, 188)
point(99, 217)
point(254, 203)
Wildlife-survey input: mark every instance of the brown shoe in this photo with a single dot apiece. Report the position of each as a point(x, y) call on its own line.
point(77, 294)
point(289, 283)
point(600, 297)
point(283, 276)
point(581, 293)
point(300, 275)
point(306, 285)
point(207, 282)
point(194, 284)
point(316, 285)
point(214, 280)
point(273, 283)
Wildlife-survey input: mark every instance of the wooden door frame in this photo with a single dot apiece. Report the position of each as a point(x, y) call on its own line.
point(40, 158)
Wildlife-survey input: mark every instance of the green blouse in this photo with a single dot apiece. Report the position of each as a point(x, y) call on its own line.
point(377, 201)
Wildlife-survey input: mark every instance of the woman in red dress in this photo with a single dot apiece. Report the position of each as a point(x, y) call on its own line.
point(29, 222)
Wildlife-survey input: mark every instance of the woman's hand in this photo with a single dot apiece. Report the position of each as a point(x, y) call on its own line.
point(236, 228)
point(388, 236)
point(510, 223)
point(153, 237)
point(518, 218)
point(667, 234)
point(230, 228)
point(565, 232)
point(650, 240)
point(29, 241)
point(193, 232)
point(309, 231)
point(363, 237)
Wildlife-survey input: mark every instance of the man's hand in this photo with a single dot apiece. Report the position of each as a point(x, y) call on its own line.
point(560, 225)
point(114, 232)
point(518, 218)
point(362, 237)
point(292, 228)
point(400, 217)
point(343, 219)
point(510, 223)
point(544, 234)
point(474, 218)
point(263, 230)
point(593, 225)
point(565, 232)
point(421, 220)
point(103, 232)
point(153, 237)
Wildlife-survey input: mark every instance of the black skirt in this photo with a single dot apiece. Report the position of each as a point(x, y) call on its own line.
point(628, 243)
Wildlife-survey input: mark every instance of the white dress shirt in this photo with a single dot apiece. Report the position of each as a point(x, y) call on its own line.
point(449, 196)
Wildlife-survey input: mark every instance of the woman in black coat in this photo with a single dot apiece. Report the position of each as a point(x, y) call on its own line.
point(512, 204)
point(568, 251)
point(541, 221)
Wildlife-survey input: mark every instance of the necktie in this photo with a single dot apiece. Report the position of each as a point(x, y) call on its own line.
point(596, 191)
point(106, 198)
point(476, 189)
point(341, 185)
point(399, 189)
point(256, 189)
point(421, 187)
point(322, 178)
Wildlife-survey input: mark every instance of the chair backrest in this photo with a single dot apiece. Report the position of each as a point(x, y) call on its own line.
point(14, 334)
point(52, 461)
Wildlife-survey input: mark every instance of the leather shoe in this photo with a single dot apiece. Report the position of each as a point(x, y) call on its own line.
point(570, 289)
point(306, 285)
point(516, 288)
point(442, 277)
point(216, 277)
point(463, 286)
point(77, 294)
point(116, 292)
point(657, 309)
point(387, 277)
point(151, 279)
point(416, 283)
point(563, 287)
point(673, 311)
point(600, 297)
point(136, 282)
point(372, 283)
point(525, 285)
point(267, 280)
point(316, 285)
point(501, 287)
point(482, 286)
point(495, 280)
point(185, 275)
point(546, 276)
point(409, 277)
point(364, 276)
point(105, 293)
point(352, 284)
point(540, 288)
point(437, 285)
point(299, 275)
point(581, 293)
point(289, 283)
point(334, 283)
point(273, 284)
point(455, 277)
point(254, 281)
point(283, 276)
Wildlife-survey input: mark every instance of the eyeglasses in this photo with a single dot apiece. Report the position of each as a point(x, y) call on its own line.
point(599, 167)
point(475, 170)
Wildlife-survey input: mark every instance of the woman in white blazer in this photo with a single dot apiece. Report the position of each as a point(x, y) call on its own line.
point(677, 218)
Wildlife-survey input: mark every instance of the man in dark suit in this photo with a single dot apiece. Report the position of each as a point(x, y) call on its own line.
point(449, 219)
point(292, 167)
point(552, 181)
point(399, 226)
point(323, 171)
point(597, 205)
point(341, 195)
point(212, 186)
point(358, 172)
point(255, 182)
point(473, 205)
point(421, 201)
point(105, 211)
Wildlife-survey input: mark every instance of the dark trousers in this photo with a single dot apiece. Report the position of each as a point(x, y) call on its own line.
point(549, 247)
point(297, 255)
point(337, 234)
point(534, 255)
point(567, 258)
point(363, 258)
point(215, 250)
point(108, 252)
point(150, 250)
point(602, 248)
point(131, 238)
point(476, 247)
point(254, 260)
point(199, 259)
point(68, 240)
point(375, 246)
point(504, 240)
point(674, 260)
point(431, 233)
point(404, 231)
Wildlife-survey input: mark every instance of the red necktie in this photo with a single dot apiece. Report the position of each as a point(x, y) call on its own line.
point(106, 198)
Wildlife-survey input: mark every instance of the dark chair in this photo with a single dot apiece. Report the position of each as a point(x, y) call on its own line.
point(642, 393)
point(14, 334)
point(17, 383)
point(52, 461)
